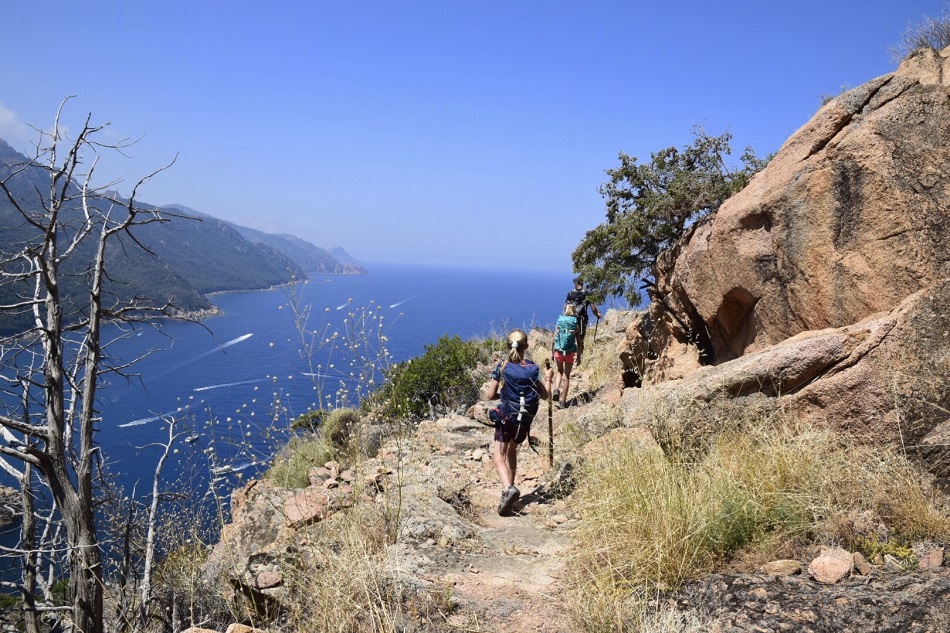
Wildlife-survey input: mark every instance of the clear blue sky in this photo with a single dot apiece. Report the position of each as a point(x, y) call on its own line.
point(442, 132)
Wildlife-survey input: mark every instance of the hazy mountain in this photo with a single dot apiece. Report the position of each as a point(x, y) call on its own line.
point(347, 259)
point(191, 255)
point(307, 256)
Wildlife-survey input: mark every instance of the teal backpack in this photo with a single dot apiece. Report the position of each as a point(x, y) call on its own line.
point(565, 334)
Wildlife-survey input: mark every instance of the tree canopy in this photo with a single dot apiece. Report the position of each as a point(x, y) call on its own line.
point(651, 205)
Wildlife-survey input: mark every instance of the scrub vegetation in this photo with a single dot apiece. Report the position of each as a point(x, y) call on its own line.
point(749, 489)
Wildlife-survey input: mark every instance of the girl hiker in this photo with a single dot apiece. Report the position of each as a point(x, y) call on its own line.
point(565, 349)
point(517, 382)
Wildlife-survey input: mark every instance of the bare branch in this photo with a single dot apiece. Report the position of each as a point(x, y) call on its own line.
point(20, 455)
point(32, 430)
point(146, 589)
point(62, 377)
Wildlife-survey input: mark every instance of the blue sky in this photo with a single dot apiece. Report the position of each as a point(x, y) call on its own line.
point(447, 133)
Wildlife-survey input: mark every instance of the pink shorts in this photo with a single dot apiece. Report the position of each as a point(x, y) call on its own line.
point(564, 357)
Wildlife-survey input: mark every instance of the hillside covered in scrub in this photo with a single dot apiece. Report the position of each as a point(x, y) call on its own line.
point(764, 447)
point(184, 259)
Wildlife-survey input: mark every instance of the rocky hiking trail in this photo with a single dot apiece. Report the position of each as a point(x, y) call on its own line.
point(507, 572)
point(819, 290)
point(467, 569)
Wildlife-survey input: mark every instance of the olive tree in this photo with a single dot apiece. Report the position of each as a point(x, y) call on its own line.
point(65, 228)
point(651, 205)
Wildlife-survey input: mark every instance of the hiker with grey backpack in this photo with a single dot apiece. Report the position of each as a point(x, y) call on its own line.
point(581, 302)
point(518, 383)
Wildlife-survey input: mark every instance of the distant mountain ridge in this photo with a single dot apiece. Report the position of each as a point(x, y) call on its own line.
point(307, 256)
point(191, 255)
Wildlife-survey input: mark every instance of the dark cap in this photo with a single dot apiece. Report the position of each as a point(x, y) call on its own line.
point(578, 280)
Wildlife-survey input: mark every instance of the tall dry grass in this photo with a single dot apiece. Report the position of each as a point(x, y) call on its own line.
point(651, 520)
point(339, 582)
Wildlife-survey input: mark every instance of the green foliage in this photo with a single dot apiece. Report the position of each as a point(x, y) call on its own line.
point(330, 438)
point(309, 421)
point(339, 427)
point(9, 601)
point(930, 33)
point(441, 379)
point(651, 205)
point(299, 456)
point(873, 547)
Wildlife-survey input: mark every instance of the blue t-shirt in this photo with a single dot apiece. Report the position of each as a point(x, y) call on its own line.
point(496, 372)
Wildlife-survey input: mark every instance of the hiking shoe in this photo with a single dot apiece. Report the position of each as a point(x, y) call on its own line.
point(556, 395)
point(508, 498)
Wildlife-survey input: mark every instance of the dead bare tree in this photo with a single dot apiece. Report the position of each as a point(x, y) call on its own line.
point(59, 360)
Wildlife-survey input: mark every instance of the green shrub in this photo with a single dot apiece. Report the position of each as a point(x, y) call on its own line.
point(309, 421)
point(296, 459)
point(442, 379)
point(328, 437)
point(339, 428)
point(336, 426)
point(10, 601)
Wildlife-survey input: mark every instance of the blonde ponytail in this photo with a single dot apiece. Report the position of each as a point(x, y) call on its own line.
point(518, 345)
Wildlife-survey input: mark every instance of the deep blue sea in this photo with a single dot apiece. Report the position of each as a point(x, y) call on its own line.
point(229, 381)
point(245, 367)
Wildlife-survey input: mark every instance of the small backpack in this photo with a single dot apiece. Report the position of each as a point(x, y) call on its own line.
point(565, 334)
point(579, 299)
point(519, 395)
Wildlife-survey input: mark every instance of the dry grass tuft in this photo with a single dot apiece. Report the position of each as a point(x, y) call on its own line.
point(601, 362)
point(339, 582)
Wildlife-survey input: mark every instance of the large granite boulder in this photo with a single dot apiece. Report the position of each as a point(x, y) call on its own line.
point(886, 377)
point(824, 285)
point(849, 218)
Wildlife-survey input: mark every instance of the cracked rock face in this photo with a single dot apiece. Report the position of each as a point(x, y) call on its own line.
point(849, 218)
point(825, 283)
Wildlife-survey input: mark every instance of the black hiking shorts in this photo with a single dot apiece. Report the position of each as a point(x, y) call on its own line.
point(511, 430)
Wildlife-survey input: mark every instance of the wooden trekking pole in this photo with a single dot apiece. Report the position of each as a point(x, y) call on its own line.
point(547, 365)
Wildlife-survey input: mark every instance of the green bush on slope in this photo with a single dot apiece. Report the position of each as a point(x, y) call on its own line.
point(441, 379)
point(331, 437)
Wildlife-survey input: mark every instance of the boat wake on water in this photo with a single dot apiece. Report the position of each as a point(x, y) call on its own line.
point(218, 348)
point(143, 421)
point(229, 384)
point(399, 303)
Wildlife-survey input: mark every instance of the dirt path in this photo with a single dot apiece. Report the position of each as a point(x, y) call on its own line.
point(506, 575)
point(515, 579)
